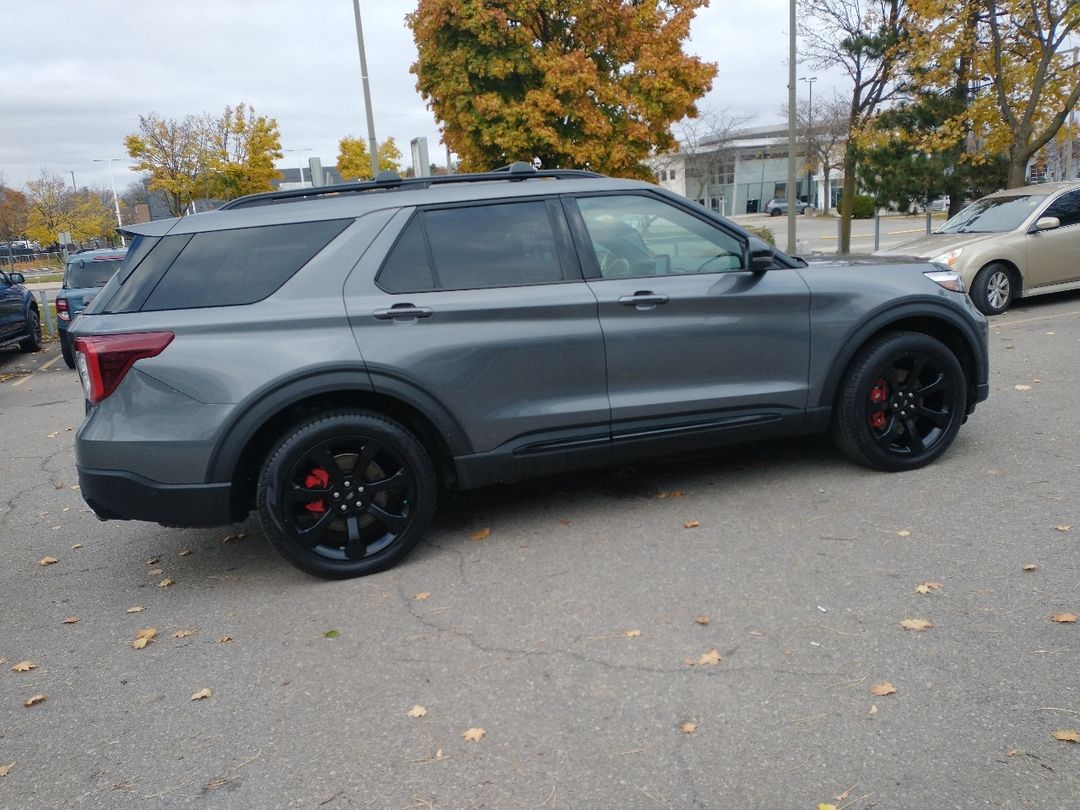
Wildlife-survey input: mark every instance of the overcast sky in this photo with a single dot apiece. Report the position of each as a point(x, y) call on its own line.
point(76, 74)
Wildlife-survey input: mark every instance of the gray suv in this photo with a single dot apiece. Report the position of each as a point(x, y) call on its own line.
point(333, 357)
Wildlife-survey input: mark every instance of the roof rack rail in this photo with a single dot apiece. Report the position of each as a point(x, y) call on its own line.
point(390, 181)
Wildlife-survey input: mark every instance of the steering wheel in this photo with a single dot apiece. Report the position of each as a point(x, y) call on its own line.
point(610, 266)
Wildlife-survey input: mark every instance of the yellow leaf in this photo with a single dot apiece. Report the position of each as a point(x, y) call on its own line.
point(144, 637)
point(702, 619)
point(48, 561)
point(235, 536)
point(904, 533)
point(926, 587)
point(136, 609)
point(1067, 735)
point(688, 728)
point(873, 708)
point(826, 806)
point(483, 534)
point(916, 624)
point(76, 546)
point(155, 572)
point(1062, 528)
point(420, 597)
point(675, 493)
point(1030, 567)
point(691, 524)
point(165, 583)
point(6, 769)
point(224, 639)
point(417, 711)
point(202, 694)
point(153, 561)
point(1022, 387)
point(184, 633)
point(34, 701)
point(631, 633)
point(883, 689)
point(473, 735)
point(710, 659)
point(24, 666)
point(71, 620)
point(1063, 618)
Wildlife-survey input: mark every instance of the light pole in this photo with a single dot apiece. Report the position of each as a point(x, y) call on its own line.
point(809, 130)
point(115, 199)
point(372, 145)
point(300, 162)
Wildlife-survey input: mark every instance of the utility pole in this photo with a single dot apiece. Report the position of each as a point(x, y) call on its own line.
point(793, 132)
point(809, 134)
point(372, 145)
point(1072, 127)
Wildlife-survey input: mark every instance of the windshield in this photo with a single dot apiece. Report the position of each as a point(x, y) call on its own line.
point(994, 214)
point(91, 271)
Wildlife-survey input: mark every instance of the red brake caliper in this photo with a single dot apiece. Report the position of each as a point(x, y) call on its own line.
point(317, 479)
point(879, 393)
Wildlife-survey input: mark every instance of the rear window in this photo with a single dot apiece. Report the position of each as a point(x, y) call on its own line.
point(90, 271)
point(221, 268)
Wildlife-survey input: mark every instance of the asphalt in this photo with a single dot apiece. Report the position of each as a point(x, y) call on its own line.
point(570, 633)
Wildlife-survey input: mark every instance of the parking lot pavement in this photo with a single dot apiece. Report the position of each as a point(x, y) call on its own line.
point(612, 657)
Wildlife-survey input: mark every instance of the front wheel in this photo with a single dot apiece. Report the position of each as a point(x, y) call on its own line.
point(32, 341)
point(901, 402)
point(346, 494)
point(992, 289)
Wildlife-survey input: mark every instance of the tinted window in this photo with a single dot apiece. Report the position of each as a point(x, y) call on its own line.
point(636, 236)
point(90, 272)
point(472, 247)
point(224, 268)
point(139, 275)
point(1066, 208)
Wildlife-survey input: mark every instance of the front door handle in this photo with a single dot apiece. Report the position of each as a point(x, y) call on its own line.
point(402, 312)
point(643, 300)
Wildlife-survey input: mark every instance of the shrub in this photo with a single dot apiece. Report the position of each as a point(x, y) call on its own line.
point(762, 233)
point(862, 207)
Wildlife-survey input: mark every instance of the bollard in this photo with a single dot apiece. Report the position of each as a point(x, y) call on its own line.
point(46, 312)
point(929, 218)
point(877, 230)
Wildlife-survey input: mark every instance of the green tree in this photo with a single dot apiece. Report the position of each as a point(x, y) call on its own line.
point(574, 83)
point(354, 159)
point(241, 148)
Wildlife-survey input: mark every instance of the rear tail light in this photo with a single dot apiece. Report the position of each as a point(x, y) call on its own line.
point(103, 360)
point(63, 312)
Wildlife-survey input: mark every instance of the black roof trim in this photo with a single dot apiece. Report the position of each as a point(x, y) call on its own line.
point(388, 181)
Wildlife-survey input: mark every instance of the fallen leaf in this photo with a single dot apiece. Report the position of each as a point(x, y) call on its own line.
point(903, 533)
point(184, 552)
point(1012, 752)
point(24, 666)
point(916, 624)
point(826, 806)
point(202, 694)
point(564, 522)
point(144, 637)
point(235, 536)
point(153, 561)
point(688, 728)
point(845, 794)
point(675, 493)
point(702, 619)
point(420, 597)
point(6, 769)
point(631, 633)
point(691, 524)
point(54, 434)
point(926, 587)
point(71, 620)
point(76, 546)
point(473, 735)
point(136, 609)
point(165, 583)
point(1063, 618)
point(1022, 387)
point(483, 534)
point(881, 690)
point(224, 639)
point(873, 708)
point(48, 561)
point(1062, 528)
point(1030, 567)
point(331, 634)
point(184, 633)
point(710, 659)
point(1067, 735)
point(990, 472)
point(34, 701)
point(417, 711)
point(155, 572)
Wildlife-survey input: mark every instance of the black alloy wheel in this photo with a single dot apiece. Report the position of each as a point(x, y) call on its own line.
point(346, 494)
point(901, 403)
point(32, 341)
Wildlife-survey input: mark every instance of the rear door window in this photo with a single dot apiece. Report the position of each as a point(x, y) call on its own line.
point(91, 271)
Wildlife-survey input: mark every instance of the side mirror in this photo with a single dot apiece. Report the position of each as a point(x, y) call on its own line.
point(761, 259)
point(1045, 224)
point(17, 278)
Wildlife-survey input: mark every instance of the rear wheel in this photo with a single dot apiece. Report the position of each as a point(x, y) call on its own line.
point(32, 341)
point(346, 494)
point(901, 403)
point(992, 289)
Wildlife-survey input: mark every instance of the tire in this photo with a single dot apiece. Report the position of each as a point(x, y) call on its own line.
point(346, 494)
point(884, 421)
point(775, 212)
point(66, 350)
point(992, 289)
point(32, 341)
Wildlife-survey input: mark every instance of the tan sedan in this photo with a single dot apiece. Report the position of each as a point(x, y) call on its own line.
point(1011, 244)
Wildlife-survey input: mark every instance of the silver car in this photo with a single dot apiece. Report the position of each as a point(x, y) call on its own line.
point(1013, 244)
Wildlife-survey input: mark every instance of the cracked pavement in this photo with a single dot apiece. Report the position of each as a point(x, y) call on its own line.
point(804, 564)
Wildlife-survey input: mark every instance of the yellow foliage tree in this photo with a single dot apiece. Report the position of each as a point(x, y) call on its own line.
point(573, 83)
point(240, 152)
point(354, 159)
point(55, 209)
point(173, 153)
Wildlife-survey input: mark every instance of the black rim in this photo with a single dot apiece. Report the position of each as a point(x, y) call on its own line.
point(910, 404)
point(346, 499)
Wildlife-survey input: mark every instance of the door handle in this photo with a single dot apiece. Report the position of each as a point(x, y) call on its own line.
point(402, 312)
point(643, 299)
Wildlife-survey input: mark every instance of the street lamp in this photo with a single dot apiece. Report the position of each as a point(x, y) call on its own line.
point(373, 147)
point(809, 128)
point(115, 199)
point(300, 162)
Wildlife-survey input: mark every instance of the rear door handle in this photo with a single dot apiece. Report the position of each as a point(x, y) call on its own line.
point(643, 300)
point(402, 312)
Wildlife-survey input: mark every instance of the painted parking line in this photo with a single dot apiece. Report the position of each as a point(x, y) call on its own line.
point(42, 367)
point(1037, 318)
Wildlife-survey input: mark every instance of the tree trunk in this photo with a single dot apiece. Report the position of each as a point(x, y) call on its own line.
point(1018, 160)
point(847, 198)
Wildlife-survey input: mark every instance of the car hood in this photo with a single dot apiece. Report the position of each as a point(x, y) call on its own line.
point(935, 244)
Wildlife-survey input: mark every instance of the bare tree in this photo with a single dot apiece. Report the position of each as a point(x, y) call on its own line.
point(704, 150)
point(823, 132)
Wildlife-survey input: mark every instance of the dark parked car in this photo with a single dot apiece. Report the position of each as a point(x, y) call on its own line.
point(20, 321)
point(84, 275)
point(332, 357)
point(778, 207)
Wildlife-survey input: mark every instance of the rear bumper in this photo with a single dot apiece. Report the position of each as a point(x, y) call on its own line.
point(125, 496)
